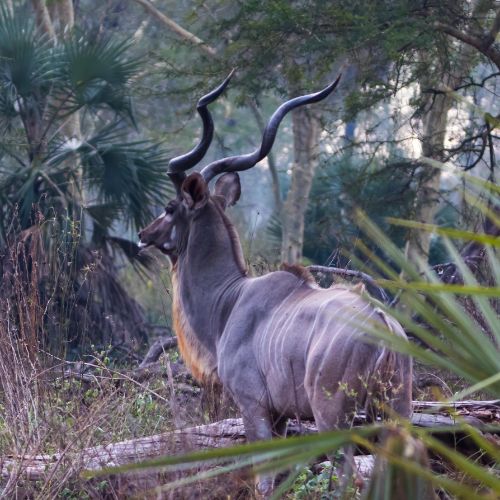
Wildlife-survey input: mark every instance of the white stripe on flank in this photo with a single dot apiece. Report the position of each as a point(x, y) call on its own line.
point(346, 323)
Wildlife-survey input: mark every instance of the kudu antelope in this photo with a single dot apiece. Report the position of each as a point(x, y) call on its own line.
point(281, 346)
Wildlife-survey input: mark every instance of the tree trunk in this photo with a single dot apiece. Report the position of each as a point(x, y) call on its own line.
point(66, 18)
point(63, 18)
point(305, 142)
point(43, 20)
point(434, 123)
point(66, 15)
point(427, 201)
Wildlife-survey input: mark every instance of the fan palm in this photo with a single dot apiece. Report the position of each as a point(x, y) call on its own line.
point(72, 176)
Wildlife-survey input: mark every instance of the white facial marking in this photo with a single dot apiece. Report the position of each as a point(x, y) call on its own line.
point(170, 244)
point(142, 245)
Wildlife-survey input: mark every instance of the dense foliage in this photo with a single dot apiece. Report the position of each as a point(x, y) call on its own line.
point(74, 175)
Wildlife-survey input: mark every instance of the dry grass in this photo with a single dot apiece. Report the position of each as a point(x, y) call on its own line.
point(45, 410)
point(42, 411)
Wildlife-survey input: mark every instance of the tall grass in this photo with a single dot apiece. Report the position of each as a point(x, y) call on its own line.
point(45, 407)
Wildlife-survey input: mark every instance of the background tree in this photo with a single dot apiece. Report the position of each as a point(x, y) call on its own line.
point(395, 49)
point(72, 175)
point(447, 68)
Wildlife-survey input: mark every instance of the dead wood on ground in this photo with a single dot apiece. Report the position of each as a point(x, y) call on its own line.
point(230, 432)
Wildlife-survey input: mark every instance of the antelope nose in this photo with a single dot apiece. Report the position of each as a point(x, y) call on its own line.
point(141, 244)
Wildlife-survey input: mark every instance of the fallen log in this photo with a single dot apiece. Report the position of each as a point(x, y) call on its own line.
point(218, 434)
point(158, 347)
point(228, 432)
point(475, 413)
point(90, 373)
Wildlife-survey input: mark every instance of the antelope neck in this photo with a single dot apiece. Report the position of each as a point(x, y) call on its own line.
point(210, 274)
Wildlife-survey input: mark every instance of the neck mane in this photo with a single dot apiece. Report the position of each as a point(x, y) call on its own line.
point(199, 360)
point(234, 240)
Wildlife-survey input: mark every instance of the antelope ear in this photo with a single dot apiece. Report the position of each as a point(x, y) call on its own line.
point(194, 191)
point(229, 188)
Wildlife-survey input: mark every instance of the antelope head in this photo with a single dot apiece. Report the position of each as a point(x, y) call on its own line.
point(169, 231)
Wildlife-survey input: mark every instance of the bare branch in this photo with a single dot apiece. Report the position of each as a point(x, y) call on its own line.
point(484, 46)
point(176, 28)
point(371, 283)
point(157, 349)
point(471, 83)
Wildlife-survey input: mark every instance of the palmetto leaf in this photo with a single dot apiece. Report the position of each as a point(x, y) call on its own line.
point(25, 56)
point(104, 215)
point(462, 347)
point(446, 231)
point(127, 177)
point(132, 252)
point(26, 69)
point(96, 73)
point(126, 174)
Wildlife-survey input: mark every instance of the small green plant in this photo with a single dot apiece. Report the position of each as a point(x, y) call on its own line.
point(72, 494)
point(314, 485)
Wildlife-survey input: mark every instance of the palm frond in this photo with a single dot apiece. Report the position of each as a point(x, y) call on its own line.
point(461, 341)
point(104, 215)
point(128, 174)
point(25, 56)
point(96, 73)
point(132, 252)
point(27, 62)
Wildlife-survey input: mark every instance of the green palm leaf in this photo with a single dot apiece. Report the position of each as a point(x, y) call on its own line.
point(96, 73)
point(26, 57)
point(126, 174)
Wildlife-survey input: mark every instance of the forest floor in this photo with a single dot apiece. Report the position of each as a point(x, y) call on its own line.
point(71, 407)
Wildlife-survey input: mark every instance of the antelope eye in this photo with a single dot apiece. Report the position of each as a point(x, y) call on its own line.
point(170, 208)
